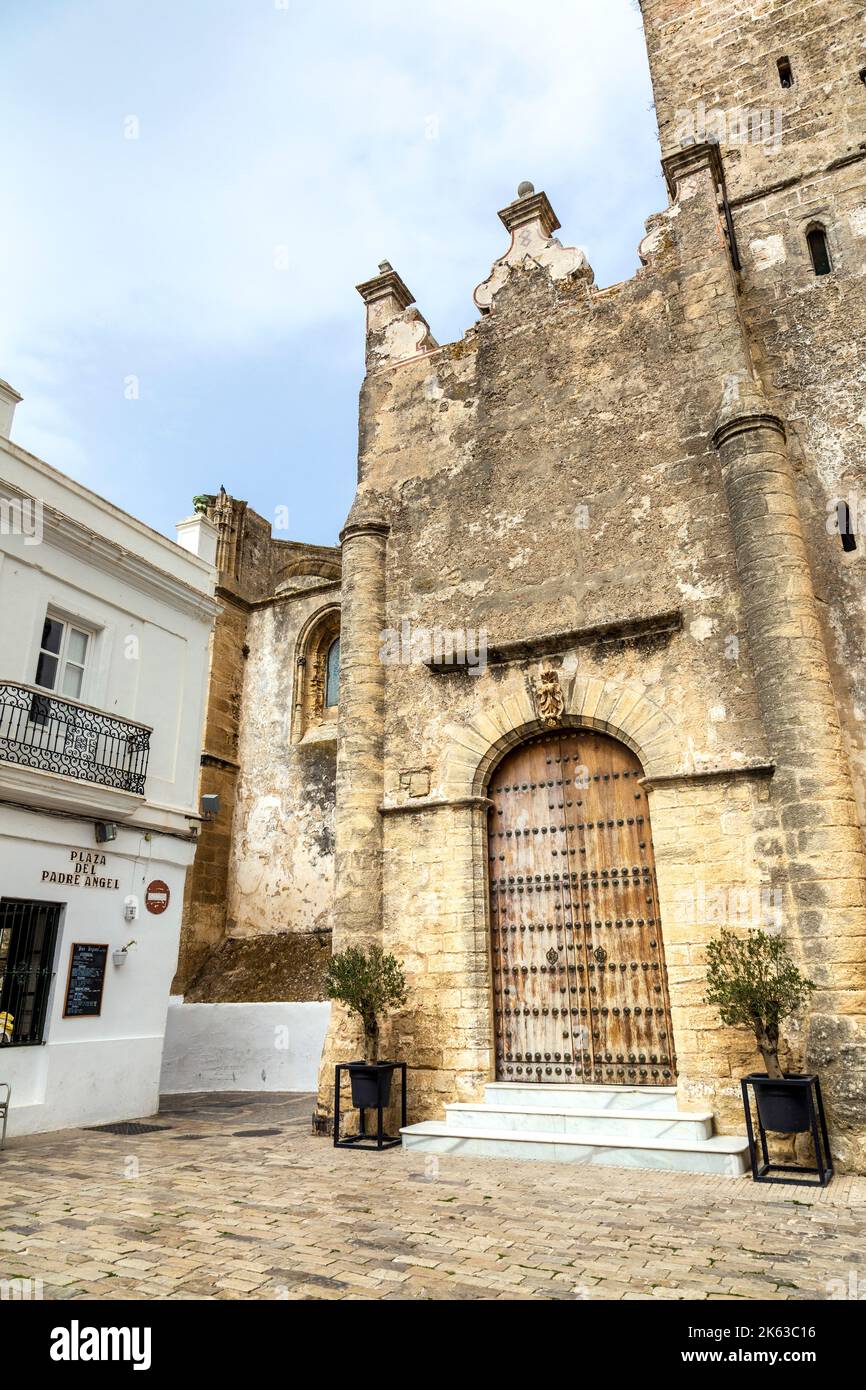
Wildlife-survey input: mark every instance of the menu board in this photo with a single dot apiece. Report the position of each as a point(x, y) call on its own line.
point(85, 980)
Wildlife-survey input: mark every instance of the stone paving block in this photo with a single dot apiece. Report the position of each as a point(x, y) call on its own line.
point(485, 1229)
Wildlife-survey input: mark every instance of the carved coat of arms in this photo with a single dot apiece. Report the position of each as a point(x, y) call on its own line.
point(549, 699)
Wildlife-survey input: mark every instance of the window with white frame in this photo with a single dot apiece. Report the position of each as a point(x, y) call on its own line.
point(63, 655)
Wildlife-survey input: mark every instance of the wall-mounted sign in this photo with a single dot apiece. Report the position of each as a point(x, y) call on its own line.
point(83, 872)
point(85, 980)
point(157, 896)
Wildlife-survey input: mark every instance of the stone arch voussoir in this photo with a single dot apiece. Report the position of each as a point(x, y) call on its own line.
point(621, 709)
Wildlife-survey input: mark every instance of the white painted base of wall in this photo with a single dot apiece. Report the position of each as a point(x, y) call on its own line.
point(69, 1084)
point(243, 1047)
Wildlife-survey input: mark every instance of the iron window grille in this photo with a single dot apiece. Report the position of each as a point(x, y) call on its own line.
point(42, 730)
point(28, 935)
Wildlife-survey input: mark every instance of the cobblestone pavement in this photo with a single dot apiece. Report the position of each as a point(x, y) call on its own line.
point(209, 1208)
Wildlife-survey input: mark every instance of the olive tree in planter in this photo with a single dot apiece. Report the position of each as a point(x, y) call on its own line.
point(369, 982)
point(754, 983)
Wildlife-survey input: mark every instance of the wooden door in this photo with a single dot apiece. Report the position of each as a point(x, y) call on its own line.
point(579, 982)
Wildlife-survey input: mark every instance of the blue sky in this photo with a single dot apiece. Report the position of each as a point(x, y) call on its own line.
point(144, 315)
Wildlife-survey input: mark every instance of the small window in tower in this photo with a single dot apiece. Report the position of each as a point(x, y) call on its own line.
point(863, 76)
point(819, 250)
point(786, 72)
point(846, 528)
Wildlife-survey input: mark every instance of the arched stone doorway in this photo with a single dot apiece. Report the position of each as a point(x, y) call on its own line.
point(579, 982)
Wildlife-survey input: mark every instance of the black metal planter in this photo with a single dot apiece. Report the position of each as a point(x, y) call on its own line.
point(371, 1090)
point(370, 1082)
point(790, 1105)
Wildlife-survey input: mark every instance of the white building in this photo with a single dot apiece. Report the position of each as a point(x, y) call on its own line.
point(104, 630)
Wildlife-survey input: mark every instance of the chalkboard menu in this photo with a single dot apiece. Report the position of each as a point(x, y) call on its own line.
point(85, 980)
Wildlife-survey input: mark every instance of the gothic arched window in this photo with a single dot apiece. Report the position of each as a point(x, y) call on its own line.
point(332, 674)
point(317, 677)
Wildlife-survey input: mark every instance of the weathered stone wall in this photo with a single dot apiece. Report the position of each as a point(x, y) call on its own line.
point(207, 884)
point(264, 865)
point(810, 340)
point(725, 54)
point(630, 487)
point(434, 921)
point(583, 458)
point(555, 470)
point(714, 845)
point(358, 825)
point(807, 332)
point(807, 335)
point(281, 876)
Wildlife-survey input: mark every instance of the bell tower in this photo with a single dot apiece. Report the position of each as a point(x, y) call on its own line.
point(779, 85)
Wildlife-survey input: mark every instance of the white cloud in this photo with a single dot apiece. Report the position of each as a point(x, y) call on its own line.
point(305, 128)
point(300, 128)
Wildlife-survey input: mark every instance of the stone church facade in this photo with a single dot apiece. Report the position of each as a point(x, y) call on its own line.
point(599, 603)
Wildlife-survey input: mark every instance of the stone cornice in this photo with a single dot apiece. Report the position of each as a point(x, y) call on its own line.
point(132, 823)
point(747, 423)
point(51, 478)
point(852, 157)
point(9, 391)
point(216, 760)
point(688, 160)
point(286, 597)
point(364, 528)
point(434, 804)
point(98, 552)
point(232, 596)
point(716, 772)
point(546, 644)
point(534, 208)
point(387, 285)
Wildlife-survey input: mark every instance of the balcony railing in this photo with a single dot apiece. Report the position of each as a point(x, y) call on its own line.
point(41, 730)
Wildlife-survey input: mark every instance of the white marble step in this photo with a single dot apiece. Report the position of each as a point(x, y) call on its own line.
point(581, 1097)
point(669, 1123)
point(723, 1154)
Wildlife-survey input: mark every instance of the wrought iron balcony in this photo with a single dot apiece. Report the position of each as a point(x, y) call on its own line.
point(41, 730)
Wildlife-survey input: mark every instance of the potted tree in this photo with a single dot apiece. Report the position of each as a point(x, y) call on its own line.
point(754, 983)
point(368, 982)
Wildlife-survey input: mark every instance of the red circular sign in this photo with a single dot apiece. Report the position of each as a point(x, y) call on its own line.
point(157, 896)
